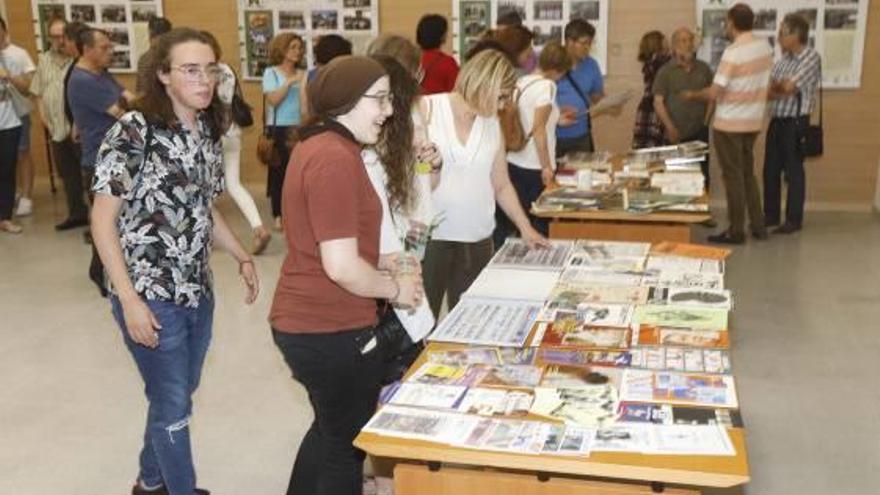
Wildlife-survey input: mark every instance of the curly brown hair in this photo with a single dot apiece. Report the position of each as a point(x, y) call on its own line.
point(395, 146)
point(155, 103)
point(279, 45)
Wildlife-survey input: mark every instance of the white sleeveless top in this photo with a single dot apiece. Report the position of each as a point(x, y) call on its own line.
point(464, 198)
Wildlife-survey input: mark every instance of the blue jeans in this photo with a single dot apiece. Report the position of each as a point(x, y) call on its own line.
point(171, 374)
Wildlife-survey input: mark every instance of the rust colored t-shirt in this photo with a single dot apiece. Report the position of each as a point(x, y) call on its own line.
point(327, 195)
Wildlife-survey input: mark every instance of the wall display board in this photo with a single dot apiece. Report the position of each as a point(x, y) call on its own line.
point(125, 20)
point(837, 32)
point(546, 18)
point(260, 20)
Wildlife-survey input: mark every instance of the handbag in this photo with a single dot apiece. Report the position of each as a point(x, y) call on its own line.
point(239, 110)
point(812, 137)
point(21, 104)
point(398, 349)
point(511, 128)
point(267, 153)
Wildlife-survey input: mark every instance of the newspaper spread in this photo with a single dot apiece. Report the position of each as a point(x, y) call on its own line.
point(516, 253)
point(486, 321)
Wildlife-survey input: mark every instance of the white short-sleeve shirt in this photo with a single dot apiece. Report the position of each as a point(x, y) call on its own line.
point(535, 91)
point(17, 62)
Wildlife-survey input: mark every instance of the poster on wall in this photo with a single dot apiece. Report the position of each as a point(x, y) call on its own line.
point(260, 20)
point(546, 18)
point(124, 20)
point(837, 32)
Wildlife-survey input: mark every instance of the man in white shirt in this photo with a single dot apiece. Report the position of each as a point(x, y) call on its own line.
point(16, 69)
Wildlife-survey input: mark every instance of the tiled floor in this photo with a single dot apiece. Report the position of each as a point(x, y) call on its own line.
point(805, 351)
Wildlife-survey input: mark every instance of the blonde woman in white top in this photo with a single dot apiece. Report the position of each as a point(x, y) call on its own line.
point(533, 168)
point(464, 126)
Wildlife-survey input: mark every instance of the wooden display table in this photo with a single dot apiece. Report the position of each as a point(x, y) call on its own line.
point(428, 468)
point(623, 226)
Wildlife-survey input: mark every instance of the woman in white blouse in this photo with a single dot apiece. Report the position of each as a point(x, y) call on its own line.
point(464, 126)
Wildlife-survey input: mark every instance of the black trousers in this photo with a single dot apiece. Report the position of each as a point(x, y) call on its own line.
point(702, 135)
point(8, 162)
point(783, 156)
point(67, 159)
point(565, 146)
point(343, 383)
point(529, 185)
point(277, 171)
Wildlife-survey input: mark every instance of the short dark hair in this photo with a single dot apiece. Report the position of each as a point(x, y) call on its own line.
point(483, 45)
point(509, 19)
point(158, 26)
point(73, 29)
point(86, 38)
point(431, 30)
point(742, 17)
point(330, 46)
point(579, 28)
point(796, 23)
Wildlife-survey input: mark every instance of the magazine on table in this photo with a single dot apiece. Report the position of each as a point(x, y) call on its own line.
point(588, 405)
point(574, 277)
point(568, 299)
point(516, 253)
point(584, 358)
point(699, 318)
point(428, 395)
point(590, 263)
point(568, 332)
point(651, 335)
point(441, 374)
point(488, 321)
point(611, 249)
point(465, 357)
point(502, 283)
point(681, 359)
point(667, 414)
point(421, 424)
point(511, 355)
point(678, 439)
point(684, 264)
point(689, 250)
point(579, 376)
point(692, 389)
point(624, 437)
point(688, 280)
point(495, 402)
point(514, 375)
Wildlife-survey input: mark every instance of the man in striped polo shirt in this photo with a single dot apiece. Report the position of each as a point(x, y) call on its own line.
point(740, 91)
point(793, 84)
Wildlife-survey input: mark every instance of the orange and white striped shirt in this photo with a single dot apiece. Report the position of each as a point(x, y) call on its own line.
point(744, 76)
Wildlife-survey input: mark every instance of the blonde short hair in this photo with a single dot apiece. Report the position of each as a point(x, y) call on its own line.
point(279, 45)
point(482, 80)
point(399, 48)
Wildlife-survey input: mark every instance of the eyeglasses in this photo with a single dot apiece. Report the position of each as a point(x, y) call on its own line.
point(383, 98)
point(194, 73)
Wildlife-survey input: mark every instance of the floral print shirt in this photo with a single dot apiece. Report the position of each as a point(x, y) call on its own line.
point(165, 224)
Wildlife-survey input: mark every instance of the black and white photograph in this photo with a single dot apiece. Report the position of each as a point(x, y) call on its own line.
point(356, 4)
point(113, 13)
point(841, 19)
point(714, 22)
point(291, 19)
point(588, 10)
point(325, 20)
point(119, 36)
point(548, 10)
point(765, 20)
point(143, 13)
point(475, 28)
point(507, 6)
point(544, 35)
point(849, 3)
point(82, 13)
point(811, 15)
point(358, 20)
point(121, 60)
point(475, 10)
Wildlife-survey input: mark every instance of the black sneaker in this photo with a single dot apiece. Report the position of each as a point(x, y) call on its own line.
point(137, 490)
point(787, 228)
point(71, 223)
point(760, 235)
point(726, 238)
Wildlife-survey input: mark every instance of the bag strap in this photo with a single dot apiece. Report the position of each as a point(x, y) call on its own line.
point(274, 111)
point(522, 92)
point(580, 92)
point(821, 102)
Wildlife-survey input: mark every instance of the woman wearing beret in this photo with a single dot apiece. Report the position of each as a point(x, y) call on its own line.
point(324, 314)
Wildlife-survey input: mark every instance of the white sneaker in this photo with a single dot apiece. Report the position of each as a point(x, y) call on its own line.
point(25, 207)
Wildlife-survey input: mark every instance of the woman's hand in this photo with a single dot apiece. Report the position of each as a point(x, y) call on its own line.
point(548, 176)
point(248, 273)
point(430, 154)
point(410, 292)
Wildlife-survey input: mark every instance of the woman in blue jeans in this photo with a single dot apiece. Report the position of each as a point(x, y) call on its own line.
point(153, 222)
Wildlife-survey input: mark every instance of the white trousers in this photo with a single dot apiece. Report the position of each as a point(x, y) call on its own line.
point(232, 170)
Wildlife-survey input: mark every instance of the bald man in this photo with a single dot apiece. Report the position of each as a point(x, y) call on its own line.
point(684, 120)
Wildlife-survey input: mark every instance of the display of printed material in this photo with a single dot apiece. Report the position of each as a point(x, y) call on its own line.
point(577, 376)
point(465, 357)
point(595, 314)
point(494, 401)
point(513, 376)
point(567, 332)
point(487, 321)
point(422, 424)
point(516, 253)
point(720, 299)
point(649, 335)
point(679, 183)
point(501, 283)
point(688, 280)
point(624, 437)
point(423, 395)
point(530, 438)
point(587, 262)
point(577, 441)
point(678, 388)
point(564, 298)
point(684, 264)
point(590, 405)
point(503, 434)
point(682, 317)
point(667, 414)
point(574, 277)
point(611, 249)
point(511, 355)
point(441, 374)
point(689, 250)
point(681, 359)
point(579, 357)
point(692, 440)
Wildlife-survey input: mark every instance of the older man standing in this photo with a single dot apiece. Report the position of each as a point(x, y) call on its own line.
point(48, 87)
point(740, 92)
point(793, 84)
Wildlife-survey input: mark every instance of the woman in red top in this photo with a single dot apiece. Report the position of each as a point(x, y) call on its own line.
point(439, 70)
point(324, 315)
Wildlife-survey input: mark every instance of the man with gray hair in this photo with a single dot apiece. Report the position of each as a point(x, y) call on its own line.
point(793, 83)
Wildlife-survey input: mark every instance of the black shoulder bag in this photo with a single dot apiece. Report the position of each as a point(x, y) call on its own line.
point(812, 137)
point(239, 110)
point(580, 92)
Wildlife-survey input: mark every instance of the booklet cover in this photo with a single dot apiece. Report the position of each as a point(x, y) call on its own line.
point(678, 388)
